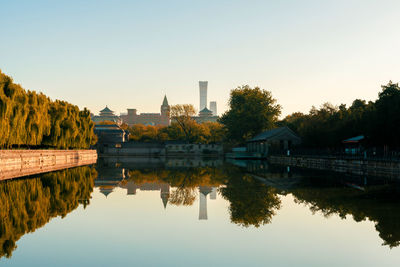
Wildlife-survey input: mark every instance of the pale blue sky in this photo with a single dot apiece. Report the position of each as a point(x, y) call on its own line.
point(128, 54)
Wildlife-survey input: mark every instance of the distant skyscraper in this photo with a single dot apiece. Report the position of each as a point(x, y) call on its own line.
point(203, 94)
point(213, 107)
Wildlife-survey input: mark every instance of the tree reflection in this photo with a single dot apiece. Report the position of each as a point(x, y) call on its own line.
point(28, 204)
point(183, 196)
point(379, 203)
point(251, 202)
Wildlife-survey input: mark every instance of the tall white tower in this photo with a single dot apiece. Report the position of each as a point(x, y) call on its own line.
point(213, 107)
point(203, 94)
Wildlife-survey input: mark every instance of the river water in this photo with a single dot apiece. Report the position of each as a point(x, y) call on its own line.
point(191, 212)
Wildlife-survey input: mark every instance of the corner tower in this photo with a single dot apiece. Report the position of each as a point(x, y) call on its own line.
point(165, 111)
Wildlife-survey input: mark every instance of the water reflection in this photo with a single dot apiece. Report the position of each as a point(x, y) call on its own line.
point(253, 191)
point(180, 181)
point(30, 203)
point(364, 198)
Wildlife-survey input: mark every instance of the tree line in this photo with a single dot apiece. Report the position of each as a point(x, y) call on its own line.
point(253, 110)
point(329, 125)
point(31, 119)
point(183, 128)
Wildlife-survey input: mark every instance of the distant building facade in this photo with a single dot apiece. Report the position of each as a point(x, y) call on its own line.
point(106, 114)
point(162, 118)
point(164, 189)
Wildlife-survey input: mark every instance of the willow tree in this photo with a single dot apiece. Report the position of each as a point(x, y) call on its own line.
point(32, 119)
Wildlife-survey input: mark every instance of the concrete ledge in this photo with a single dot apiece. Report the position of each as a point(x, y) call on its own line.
point(18, 163)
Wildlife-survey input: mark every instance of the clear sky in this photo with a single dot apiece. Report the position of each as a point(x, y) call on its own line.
point(128, 54)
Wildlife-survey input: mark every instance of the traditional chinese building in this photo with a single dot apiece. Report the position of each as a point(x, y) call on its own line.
point(276, 140)
point(206, 115)
point(110, 134)
point(106, 115)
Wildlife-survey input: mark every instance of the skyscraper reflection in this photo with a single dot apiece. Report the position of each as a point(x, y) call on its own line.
point(204, 191)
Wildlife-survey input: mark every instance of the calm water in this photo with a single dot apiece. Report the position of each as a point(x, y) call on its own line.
point(148, 212)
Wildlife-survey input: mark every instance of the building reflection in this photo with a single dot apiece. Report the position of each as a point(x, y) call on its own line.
point(204, 191)
point(109, 177)
point(107, 185)
point(164, 189)
point(112, 176)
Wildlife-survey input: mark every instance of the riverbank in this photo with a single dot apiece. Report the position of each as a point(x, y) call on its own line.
point(368, 167)
point(19, 163)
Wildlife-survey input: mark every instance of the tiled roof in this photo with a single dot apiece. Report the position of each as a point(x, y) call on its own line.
point(205, 110)
point(106, 110)
point(276, 134)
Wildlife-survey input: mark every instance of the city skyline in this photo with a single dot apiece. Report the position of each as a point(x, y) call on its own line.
point(211, 105)
point(305, 54)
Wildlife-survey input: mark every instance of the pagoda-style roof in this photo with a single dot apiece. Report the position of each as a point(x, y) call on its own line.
point(205, 111)
point(106, 110)
point(106, 190)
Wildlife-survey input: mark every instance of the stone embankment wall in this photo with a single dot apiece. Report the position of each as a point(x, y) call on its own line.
point(18, 163)
point(352, 166)
point(133, 149)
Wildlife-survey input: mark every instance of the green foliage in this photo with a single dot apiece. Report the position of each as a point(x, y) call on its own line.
point(252, 110)
point(207, 132)
point(327, 126)
point(28, 204)
point(31, 119)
